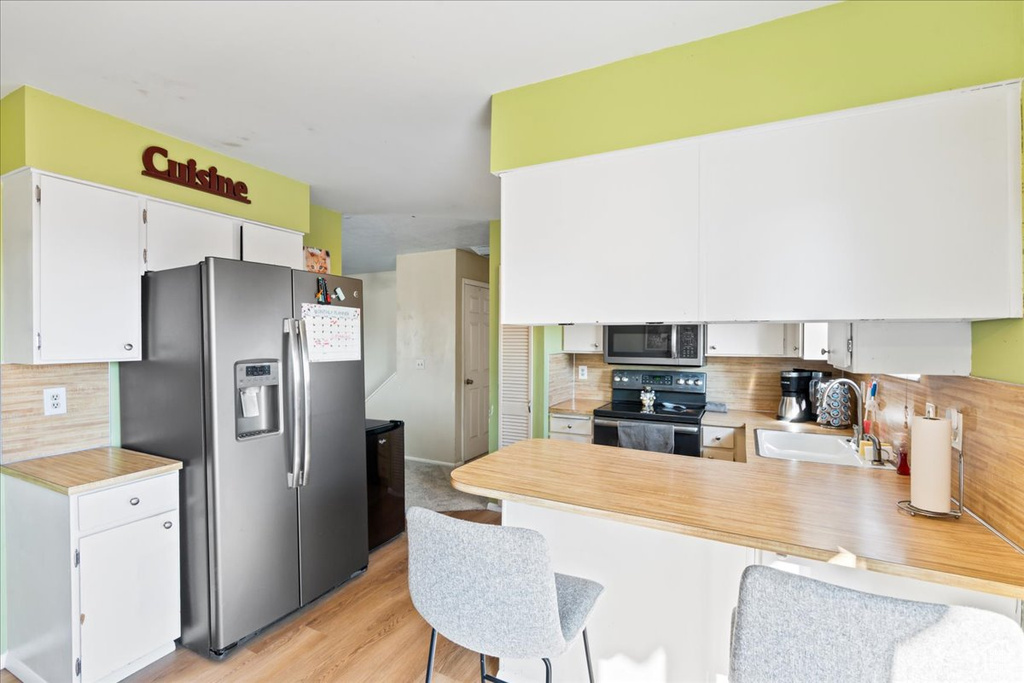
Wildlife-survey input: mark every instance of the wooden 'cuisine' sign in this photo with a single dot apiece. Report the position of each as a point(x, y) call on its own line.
point(188, 174)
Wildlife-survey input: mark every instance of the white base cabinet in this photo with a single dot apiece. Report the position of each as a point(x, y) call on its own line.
point(941, 348)
point(583, 338)
point(95, 577)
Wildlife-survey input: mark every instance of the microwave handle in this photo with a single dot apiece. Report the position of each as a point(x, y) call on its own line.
point(675, 341)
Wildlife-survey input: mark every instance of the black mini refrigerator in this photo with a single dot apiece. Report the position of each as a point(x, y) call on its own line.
point(385, 479)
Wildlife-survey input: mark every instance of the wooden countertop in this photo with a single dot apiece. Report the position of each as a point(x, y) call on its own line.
point(89, 470)
point(823, 512)
point(577, 406)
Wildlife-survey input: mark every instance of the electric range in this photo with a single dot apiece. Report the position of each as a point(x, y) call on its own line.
point(680, 398)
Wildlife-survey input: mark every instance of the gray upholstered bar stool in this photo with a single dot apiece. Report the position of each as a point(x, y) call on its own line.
point(792, 628)
point(491, 589)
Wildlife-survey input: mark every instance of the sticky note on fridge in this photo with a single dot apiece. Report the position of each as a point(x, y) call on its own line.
point(250, 406)
point(339, 294)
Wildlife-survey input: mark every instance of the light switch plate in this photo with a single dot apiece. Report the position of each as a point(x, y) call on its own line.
point(582, 371)
point(55, 401)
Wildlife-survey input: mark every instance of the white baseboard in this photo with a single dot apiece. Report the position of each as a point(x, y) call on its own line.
point(3, 660)
point(452, 465)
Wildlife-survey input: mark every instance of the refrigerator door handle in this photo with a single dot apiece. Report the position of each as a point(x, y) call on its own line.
point(307, 415)
point(295, 389)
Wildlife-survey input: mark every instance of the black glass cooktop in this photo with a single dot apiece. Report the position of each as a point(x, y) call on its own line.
point(663, 412)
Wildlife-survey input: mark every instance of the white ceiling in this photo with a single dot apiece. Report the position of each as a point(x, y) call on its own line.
point(382, 107)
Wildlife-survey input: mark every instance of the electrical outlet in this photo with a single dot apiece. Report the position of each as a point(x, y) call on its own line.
point(582, 370)
point(420, 363)
point(55, 401)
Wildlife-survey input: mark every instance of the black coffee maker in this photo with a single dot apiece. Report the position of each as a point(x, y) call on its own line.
point(795, 405)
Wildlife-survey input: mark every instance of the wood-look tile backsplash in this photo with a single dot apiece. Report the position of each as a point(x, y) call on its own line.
point(26, 433)
point(741, 383)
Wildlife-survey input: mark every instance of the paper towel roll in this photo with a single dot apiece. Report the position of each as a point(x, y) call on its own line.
point(930, 462)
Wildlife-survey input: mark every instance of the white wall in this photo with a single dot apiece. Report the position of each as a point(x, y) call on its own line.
point(380, 315)
point(425, 330)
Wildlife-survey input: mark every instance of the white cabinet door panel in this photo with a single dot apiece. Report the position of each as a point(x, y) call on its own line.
point(90, 273)
point(922, 197)
point(179, 236)
point(609, 239)
point(746, 339)
point(582, 338)
point(276, 246)
point(815, 341)
point(130, 593)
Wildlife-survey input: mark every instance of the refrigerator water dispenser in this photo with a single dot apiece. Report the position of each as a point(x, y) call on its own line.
point(257, 403)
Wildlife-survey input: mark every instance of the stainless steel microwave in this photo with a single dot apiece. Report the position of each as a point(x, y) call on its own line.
point(654, 344)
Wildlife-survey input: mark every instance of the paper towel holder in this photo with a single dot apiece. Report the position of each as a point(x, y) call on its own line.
point(952, 514)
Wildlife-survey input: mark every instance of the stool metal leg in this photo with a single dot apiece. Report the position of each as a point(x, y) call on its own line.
point(547, 670)
point(483, 669)
point(586, 648)
point(430, 657)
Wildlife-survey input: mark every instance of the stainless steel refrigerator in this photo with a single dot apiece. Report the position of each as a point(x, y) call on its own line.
point(265, 407)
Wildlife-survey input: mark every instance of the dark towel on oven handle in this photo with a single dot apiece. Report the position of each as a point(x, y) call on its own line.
point(647, 436)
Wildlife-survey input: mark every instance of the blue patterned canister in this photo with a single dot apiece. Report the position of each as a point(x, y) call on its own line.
point(836, 411)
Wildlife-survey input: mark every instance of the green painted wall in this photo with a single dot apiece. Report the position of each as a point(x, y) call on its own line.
point(546, 340)
point(325, 233)
point(844, 55)
point(494, 334)
point(67, 138)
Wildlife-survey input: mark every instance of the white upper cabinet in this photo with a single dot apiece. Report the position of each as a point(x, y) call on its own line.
point(934, 348)
point(604, 239)
point(903, 211)
point(180, 236)
point(583, 338)
point(753, 339)
point(815, 341)
point(72, 267)
point(276, 246)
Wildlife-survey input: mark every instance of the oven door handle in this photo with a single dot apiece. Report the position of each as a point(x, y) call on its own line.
point(678, 429)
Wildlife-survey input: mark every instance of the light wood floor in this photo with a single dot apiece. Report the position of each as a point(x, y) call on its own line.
point(366, 630)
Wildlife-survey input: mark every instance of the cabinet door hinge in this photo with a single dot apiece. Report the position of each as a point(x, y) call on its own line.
point(78, 666)
point(145, 256)
point(39, 194)
point(145, 215)
point(39, 341)
point(78, 557)
point(849, 345)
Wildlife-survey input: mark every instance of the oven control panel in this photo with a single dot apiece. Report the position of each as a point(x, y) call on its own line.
point(666, 380)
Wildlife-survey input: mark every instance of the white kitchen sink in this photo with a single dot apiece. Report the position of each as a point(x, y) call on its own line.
point(825, 448)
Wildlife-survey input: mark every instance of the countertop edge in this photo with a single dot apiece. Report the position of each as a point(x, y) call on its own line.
point(95, 485)
point(758, 543)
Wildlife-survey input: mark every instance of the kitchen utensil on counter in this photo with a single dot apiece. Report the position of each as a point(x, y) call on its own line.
point(818, 378)
point(834, 409)
point(795, 404)
point(931, 447)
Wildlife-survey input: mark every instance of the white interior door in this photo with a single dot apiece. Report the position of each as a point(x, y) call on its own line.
point(475, 369)
point(179, 236)
point(276, 246)
point(514, 362)
point(130, 593)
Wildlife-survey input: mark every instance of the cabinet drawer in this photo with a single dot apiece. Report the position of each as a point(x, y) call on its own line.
point(719, 453)
point(127, 503)
point(718, 437)
point(570, 424)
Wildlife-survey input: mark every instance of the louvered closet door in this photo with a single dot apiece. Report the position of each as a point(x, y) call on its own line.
point(514, 389)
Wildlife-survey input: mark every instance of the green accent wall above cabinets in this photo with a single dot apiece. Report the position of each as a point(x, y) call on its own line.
point(73, 140)
point(844, 55)
point(325, 233)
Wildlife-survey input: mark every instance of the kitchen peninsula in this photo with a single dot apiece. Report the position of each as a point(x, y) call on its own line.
point(669, 536)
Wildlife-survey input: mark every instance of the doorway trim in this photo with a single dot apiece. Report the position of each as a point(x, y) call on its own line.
point(460, 370)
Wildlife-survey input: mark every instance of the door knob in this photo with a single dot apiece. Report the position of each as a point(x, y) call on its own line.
point(469, 381)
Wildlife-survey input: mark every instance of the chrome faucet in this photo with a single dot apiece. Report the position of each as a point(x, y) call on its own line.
point(858, 427)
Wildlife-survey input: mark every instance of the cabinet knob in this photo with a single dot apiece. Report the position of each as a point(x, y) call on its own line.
point(713, 348)
point(128, 347)
point(382, 441)
point(718, 438)
point(595, 345)
point(133, 501)
point(825, 352)
point(168, 524)
point(568, 426)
